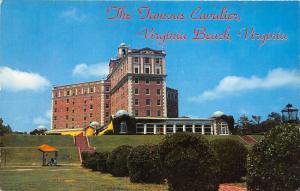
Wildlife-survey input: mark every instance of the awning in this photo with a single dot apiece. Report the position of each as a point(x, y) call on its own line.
point(47, 148)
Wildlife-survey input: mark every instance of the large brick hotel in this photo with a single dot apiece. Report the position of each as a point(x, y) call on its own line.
point(136, 83)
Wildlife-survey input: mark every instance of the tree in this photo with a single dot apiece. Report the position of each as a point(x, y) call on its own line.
point(275, 117)
point(256, 118)
point(189, 163)
point(274, 163)
point(4, 129)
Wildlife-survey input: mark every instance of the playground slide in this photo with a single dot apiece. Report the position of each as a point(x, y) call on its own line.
point(109, 127)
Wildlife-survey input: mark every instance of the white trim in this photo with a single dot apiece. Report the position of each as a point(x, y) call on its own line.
point(130, 95)
point(164, 98)
point(102, 113)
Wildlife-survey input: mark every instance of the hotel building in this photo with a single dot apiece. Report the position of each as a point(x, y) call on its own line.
point(136, 83)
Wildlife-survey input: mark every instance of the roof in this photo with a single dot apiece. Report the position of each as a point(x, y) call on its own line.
point(47, 148)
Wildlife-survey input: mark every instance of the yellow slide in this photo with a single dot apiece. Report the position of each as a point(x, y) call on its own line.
point(110, 126)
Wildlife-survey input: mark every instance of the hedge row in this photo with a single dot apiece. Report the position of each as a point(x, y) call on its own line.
point(189, 162)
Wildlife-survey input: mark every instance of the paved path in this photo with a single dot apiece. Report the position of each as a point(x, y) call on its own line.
point(231, 188)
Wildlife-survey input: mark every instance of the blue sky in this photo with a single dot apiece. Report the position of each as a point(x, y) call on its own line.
point(46, 43)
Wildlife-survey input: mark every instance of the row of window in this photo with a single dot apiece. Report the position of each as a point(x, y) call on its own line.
point(85, 101)
point(84, 117)
point(148, 102)
point(78, 91)
point(147, 69)
point(148, 113)
point(91, 107)
point(147, 80)
point(146, 60)
point(147, 91)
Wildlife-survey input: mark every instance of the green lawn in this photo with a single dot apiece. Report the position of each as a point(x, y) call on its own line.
point(36, 140)
point(31, 156)
point(109, 142)
point(66, 178)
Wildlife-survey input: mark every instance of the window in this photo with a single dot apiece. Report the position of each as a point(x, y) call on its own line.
point(84, 118)
point(56, 94)
point(91, 98)
point(73, 110)
point(67, 125)
point(73, 102)
point(136, 112)
point(136, 91)
point(91, 115)
point(67, 109)
point(72, 119)
point(136, 70)
point(107, 88)
point(107, 105)
point(158, 102)
point(157, 81)
point(91, 106)
point(157, 70)
point(157, 60)
point(54, 126)
point(158, 113)
point(148, 113)
point(147, 60)
point(84, 109)
point(67, 100)
point(136, 102)
point(106, 96)
point(68, 92)
point(54, 117)
point(136, 80)
point(147, 91)
point(135, 59)
point(55, 102)
point(84, 101)
point(106, 114)
point(91, 90)
point(158, 91)
point(67, 117)
point(147, 101)
point(55, 109)
point(147, 81)
point(147, 69)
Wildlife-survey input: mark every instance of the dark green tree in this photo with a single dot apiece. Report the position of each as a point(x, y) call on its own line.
point(4, 129)
point(274, 163)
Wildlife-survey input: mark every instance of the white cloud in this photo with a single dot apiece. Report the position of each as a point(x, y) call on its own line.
point(93, 70)
point(43, 120)
point(74, 15)
point(16, 80)
point(229, 85)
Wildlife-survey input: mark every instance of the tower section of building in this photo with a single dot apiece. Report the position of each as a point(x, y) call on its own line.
point(138, 82)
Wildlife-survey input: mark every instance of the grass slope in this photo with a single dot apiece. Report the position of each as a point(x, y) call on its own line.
point(67, 179)
point(22, 149)
point(109, 142)
point(36, 140)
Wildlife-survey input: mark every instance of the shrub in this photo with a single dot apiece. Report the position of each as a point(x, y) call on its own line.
point(117, 161)
point(232, 156)
point(144, 164)
point(274, 163)
point(189, 163)
point(89, 160)
point(101, 161)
